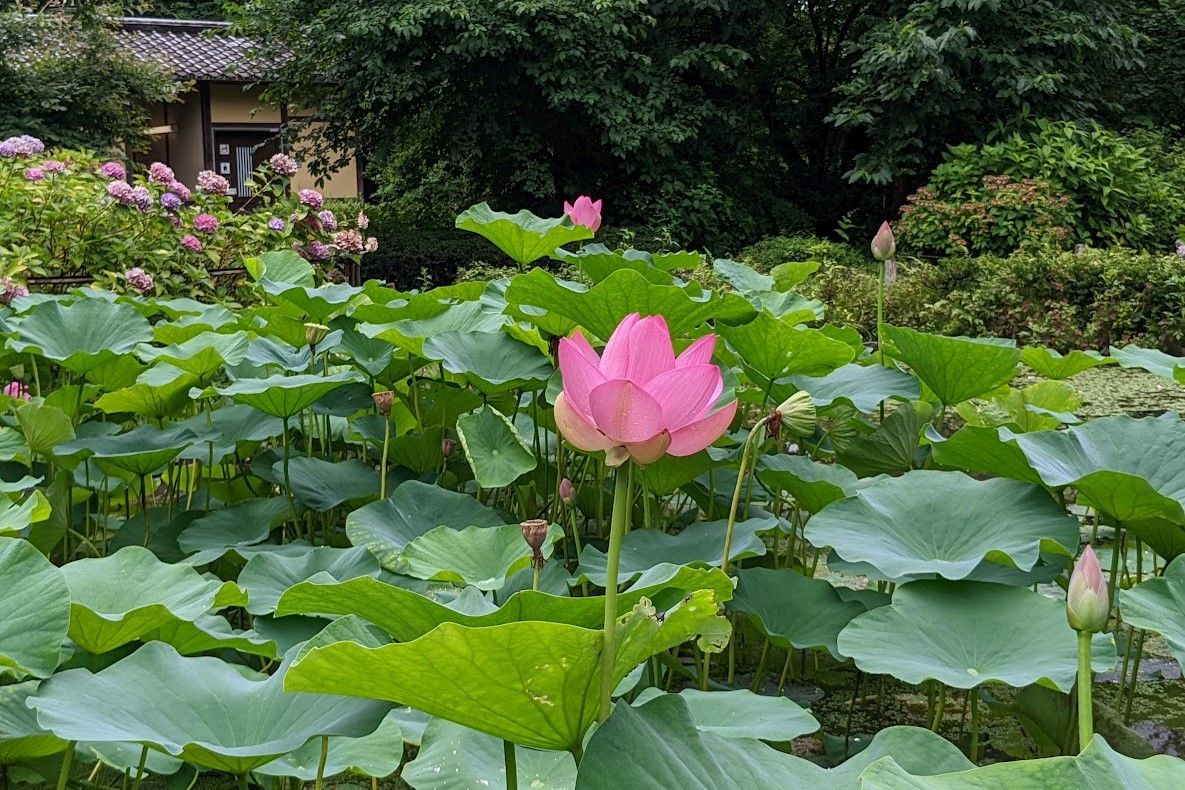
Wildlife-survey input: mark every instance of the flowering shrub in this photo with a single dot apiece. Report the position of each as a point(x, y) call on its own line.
point(71, 213)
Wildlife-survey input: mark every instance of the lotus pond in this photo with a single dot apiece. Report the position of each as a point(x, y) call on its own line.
point(628, 532)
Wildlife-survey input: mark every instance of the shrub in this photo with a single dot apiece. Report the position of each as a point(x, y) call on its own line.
point(67, 213)
point(775, 250)
point(409, 257)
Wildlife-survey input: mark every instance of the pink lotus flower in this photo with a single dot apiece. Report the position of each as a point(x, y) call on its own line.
point(1087, 603)
point(17, 389)
point(638, 400)
point(883, 243)
point(585, 211)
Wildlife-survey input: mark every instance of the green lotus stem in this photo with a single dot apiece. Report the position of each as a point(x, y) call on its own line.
point(622, 496)
point(736, 491)
point(1131, 693)
point(576, 540)
point(880, 315)
point(939, 708)
point(243, 784)
point(140, 768)
point(534, 577)
point(144, 509)
point(511, 765)
point(67, 759)
point(321, 762)
point(759, 675)
point(973, 744)
point(383, 462)
point(1085, 709)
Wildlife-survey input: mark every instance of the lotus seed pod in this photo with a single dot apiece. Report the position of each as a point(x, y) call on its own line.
point(798, 414)
point(535, 533)
point(314, 334)
point(383, 401)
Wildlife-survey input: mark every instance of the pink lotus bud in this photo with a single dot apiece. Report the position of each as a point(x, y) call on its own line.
point(447, 446)
point(1087, 605)
point(567, 491)
point(585, 211)
point(883, 243)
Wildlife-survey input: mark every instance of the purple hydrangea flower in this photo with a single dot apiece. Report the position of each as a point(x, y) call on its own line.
point(160, 173)
point(139, 279)
point(311, 198)
point(121, 191)
point(34, 174)
point(10, 289)
point(53, 166)
point(275, 223)
point(192, 243)
point(211, 183)
point(206, 223)
point(170, 201)
point(24, 145)
point(142, 198)
point(113, 170)
point(316, 251)
point(180, 190)
point(328, 220)
point(284, 165)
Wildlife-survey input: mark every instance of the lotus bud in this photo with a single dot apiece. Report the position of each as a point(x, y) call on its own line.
point(883, 243)
point(797, 414)
point(535, 533)
point(1087, 604)
point(447, 446)
point(383, 401)
point(585, 211)
point(314, 334)
point(567, 491)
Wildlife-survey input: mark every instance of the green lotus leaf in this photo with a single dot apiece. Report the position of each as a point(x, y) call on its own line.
point(951, 632)
point(211, 633)
point(1159, 605)
point(1151, 360)
point(266, 576)
point(183, 326)
point(1099, 766)
point(280, 266)
point(201, 355)
point(954, 368)
point(387, 526)
point(320, 303)
point(107, 611)
point(671, 472)
point(741, 277)
point(770, 349)
point(158, 392)
point(285, 396)
point(893, 447)
point(323, 485)
point(34, 611)
point(410, 334)
point(657, 745)
point(369, 354)
point(558, 307)
point(141, 451)
point(453, 757)
point(497, 453)
point(812, 484)
point(494, 362)
point(81, 336)
point(481, 557)
point(237, 423)
point(1045, 571)
point(524, 237)
point(1044, 406)
point(1054, 365)
point(701, 543)
point(987, 450)
point(407, 615)
point(793, 273)
point(944, 522)
point(863, 386)
point(265, 351)
point(44, 427)
point(20, 737)
point(742, 714)
point(789, 307)
point(231, 722)
point(16, 518)
point(598, 262)
point(243, 524)
point(793, 610)
point(125, 758)
point(377, 754)
point(532, 683)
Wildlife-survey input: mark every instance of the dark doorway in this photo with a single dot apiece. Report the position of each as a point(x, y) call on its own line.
point(237, 152)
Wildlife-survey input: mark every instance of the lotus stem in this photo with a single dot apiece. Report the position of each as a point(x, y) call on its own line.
point(973, 744)
point(383, 462)
point(759, 675)
point(67, 759)
point(511, 765)
point(243, 782)
point(759, 428)
point(140, 767)
point(939, 708)
point(321, 763)
point(785, 671)
point(1085, 709)
point(1131, 693)
point(622, 496)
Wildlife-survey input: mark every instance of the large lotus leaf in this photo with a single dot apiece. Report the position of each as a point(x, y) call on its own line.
point(812, 484)
point(1159, 605)
point(891, 448)
point(20, 737)
point(657, 745)
point(453, 757)
point(285, 396)
point(388, 525)
point(323, 485)
point(211, 633)
point(481, 557)
point(281, 266)
point(793, 610)
point(201, 355)
point(238, 423)
point(242, 524)
point(863, 386)
point(742, 714)
point(988, 450)
point(741, 277)
point(141, 451)
point(522, 236)
point(407, 615)
point(158, 392)
point(533, 683)
point(410, 334)
point(558, 307)
point(265, 351)
point(1045, 571)
point(944, 522)
point(965, 633)
point(1044, 406)
point(120, 598)
point(671, 472)
point(16, 518)
point(1151, 360)
point(81, 336)
point(377, 754)
point(789, 307)
point(1054, 365)
point(497, 453)
point(44, 427)
point(319, 303)
point(266, 576)
point(954, 368)
point(34, 610)
point(229, 722)
point(1098, 767)
point(367, 353)
point(598, 262)
point(771, 349)
point(494, 362)
point(1132, 470)
point(701, 543)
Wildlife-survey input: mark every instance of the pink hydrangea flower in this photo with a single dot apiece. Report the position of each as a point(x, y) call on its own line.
point(206, 223)
point(113, 169)
point(18, 390)
point(142, 198)
point(192, 243)
point(372, 244)
point(637, 399)
point(121, 191)
point(585, 211)
point(284, 165)
point(363, 221)
point(160, 173)
point(10, 289)
point(180, 190)
point(24, 145)
point(327, 219)
point(349, 241)
point(138, 279)
point(34, 174)
point(53, 166)
point(212, 184)
point(315, 251)
point(311, 198)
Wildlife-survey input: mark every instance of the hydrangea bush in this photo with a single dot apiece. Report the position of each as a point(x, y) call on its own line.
point(75, 213)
